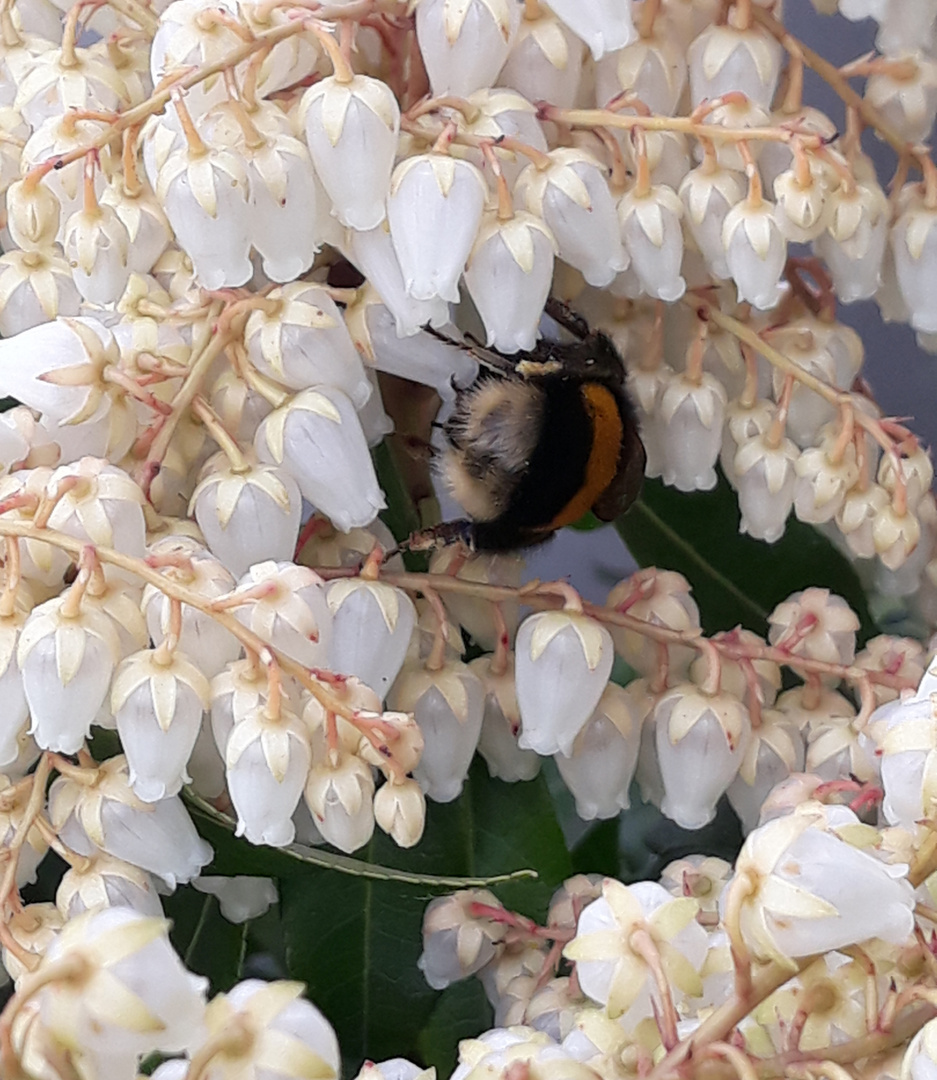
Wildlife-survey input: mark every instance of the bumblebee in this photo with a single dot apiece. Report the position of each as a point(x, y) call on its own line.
point(538, 440)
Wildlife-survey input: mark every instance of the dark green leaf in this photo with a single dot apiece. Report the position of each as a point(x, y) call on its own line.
point(208, 944)
point(736, 580)
point(462, 1012)
point(355, 941)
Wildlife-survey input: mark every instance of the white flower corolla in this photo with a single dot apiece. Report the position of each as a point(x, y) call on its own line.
point(285, 605)
point(35, 287)
point(103, 881)
point(457, 941)
point(604, 25)
point(617, 938)
point(448, 705)
point(62, 80)
point(271, 1030)
point(690, 415)
point(464, 45)
point(854, 241)
point(545, 61)
point(906, 733)
point(340, 795)
point(799, 890)
point(652, 234)
point(247, 512)
point(815, 623)
point(372, 251)
point(765, 478)
point(351, 129)
point(825, 474)
point(904, 90)
point(724, 58)
point(57, 368)
point(899, 656)
point(920, 1057)
point(97, 245)
point(241, 687)
point(917, 474)
point(756, 251)
point(857, 518)
point(509, 273)
point(267, 760)
point(703, 877)
point(158, 697)
point(709, 192)
point(563, 660)
point(33, 215)
point(604, 756)
point(98, 503)
point(662, 598)
point(572, 196)
point(202, 638)
point(34, 927)
point(701, 740)
point(16, 711)
point(400, 810)
point(299, 339)
point(241, 898)
point(434, 210)
point(67, 654)
point(371, 628)
point(316, 436)
point(914, 247)
point(148, 231)
point(501, 723)
point(773, 751)
point(158, 837)
point(122, 990)
point(653, 68)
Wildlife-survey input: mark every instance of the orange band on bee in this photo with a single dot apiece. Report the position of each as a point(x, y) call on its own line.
point(602, 464)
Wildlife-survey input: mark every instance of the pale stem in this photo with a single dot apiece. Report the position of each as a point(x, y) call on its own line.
point(644, 946)
point(132, 186)
point(69, 58)
point(871, 985)
point(211, 17)
point(572, 601)
point(618, 179)
point(794, 93)
point(749, 394)
point(445, 101)
point(846, 434)
point(929, 172)
point(196, 146)
point(775, 434)
point(252, 137)
point(711, 685)
point(499, 660)
point(802, 171)
point(212, 423)
point(233, 1041)
point(51, 837)
point(738, 1059)
point(437, 657)
point(90, 199)
point(251, 76)
point(740, 889)
point(464, 138)
point(505, 203)
point(755, 198)
point(649, 14)
point(445, 137)
point(11, 581)
point(694, 354)
point(71, 604)
point(341, 68)
point(532, 10)
point(274, 704)
point(167, 647)
point(37, 797)
point(743, 14)
point(48, 502)
point(642, 180)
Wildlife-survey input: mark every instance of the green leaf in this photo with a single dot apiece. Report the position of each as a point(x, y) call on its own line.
point(208, 944)
point(355, 941)
point(462, 1012)
point(736, 580)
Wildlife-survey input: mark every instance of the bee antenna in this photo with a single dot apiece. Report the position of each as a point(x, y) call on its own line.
point(563, 314)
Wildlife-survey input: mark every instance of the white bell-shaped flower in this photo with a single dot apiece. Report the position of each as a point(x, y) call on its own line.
point(36, 286)
point(351, 127)
point(67, 655)
point(456, 942)
point(280, 1026)
point(241, 898)
point(617, 939)
point(421, 357)
point(604, 25)
point(653, 69)
point(774, 750)
point(61, 80)
point(691, 412)
point(725, 58)
point(13, 809)
point(765, 479)
point(205, 192)
point(701, 739)
point(104, 881)
point(662, 598)
point(709, 192)
point(12, 693)
point(107, 816)
point(501, 723)
point(573, 198)
point(34, 214)
point(653, 237)
point(237, 691)
point(604, 756)
point(267, 761)
point(135, 995)
point(57, 368)
point(158, 698)
point(464, 45)
point(247, 514)
point(372, 624)
point(509, 274)
point(300, 339)
point(448, 705)
point(804, 891)
point(914, 245)
point(317, 437)
point(142, 216)
point(340, 795)
point(906, 734)
point(756, 251)
point(563, 660)
point(545, 61)
point(97, 245)
point(100, 504)
point(905, 93)
point(285, 604)
point(801, 195)
point(400, 811)
point(203, 639)
point(434, 210)
point(824, 476)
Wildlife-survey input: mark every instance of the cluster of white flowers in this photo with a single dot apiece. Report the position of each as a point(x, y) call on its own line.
point(188, 190)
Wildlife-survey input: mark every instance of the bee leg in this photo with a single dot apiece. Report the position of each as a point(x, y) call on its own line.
point(439, 536)
point(567, 318)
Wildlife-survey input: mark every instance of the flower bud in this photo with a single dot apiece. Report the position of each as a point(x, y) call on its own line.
point(604, 25)
point(456, 942)
point(501, 724)
point(653, 238)
point(756, 252)
point(340, 795)
point(723, 59)
point(400, 810)
point(106, 882)
point(240, 898)
point(464, 46)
